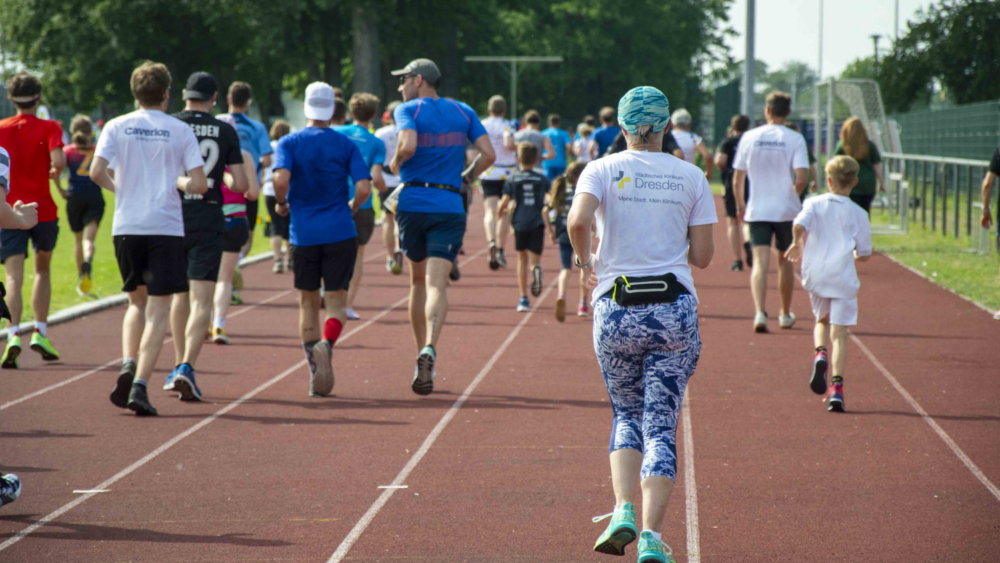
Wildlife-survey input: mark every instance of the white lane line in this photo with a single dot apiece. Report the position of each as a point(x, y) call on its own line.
point(929, 420)
point(116, 361)
point(690, 488)
point(374, 509)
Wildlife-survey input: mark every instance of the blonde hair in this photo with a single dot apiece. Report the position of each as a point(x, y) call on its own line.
point(527, 153)
point(586, 130)
point(854, 139)
point(82, 129)
point(842, 170)
point(557, 195)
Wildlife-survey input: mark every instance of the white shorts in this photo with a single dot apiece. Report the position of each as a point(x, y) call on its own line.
point(843, 312)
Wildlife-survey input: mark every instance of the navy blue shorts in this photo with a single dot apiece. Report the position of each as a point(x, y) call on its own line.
point(15, 241)
point(566, 255)
point(430, 234)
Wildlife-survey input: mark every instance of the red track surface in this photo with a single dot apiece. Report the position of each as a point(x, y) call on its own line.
point(520, 467)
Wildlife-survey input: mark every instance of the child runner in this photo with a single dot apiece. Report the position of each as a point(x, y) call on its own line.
point(560, 199)
point(527, 189)
point(85, 202)
point(279, 224)
point(831, 232)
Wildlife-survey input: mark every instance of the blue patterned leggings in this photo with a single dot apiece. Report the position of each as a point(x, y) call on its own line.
point(647, 353)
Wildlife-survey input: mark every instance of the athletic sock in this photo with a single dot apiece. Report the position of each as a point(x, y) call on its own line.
point(331, 330)
point(821, 348)
point(220, 322)
point(562, 296)
point(11, 332)
point(138, 381)
point(656, 535)
point(127, 360)
point(838, 379)
point(85, 268)
point(40, 327)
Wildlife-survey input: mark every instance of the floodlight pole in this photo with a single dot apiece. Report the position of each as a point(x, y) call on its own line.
point(512, 61)
point(749, 64)
point(817, 142)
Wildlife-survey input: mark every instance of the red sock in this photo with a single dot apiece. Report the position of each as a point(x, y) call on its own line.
point(331, 330)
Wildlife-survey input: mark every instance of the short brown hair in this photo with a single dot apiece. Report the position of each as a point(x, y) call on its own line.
point(24, 85)
point(338, 92)
point(363, 106)
point(739, 124)
point(842, 170)
point(497, 105)
point(150, 83)
point(280, 129)
point(527, 153)
point(779, 103)
point(607, 115)
point(554, 120)
point(240, 94)
point(532, 116)
point(339, 110)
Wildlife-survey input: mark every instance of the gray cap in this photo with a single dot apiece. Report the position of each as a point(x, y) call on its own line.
point(423, 67)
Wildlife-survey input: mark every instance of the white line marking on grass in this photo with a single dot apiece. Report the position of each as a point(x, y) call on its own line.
point(690, 487)
point(374, 509)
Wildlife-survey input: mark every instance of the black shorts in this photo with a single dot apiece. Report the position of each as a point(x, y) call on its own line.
point(15, 241)
point(492, 188)
point(84, 206)
point(532, 240)
point(279, 224)
point(729, 198)
point(251, 214)
point(203, 250)
point(430, 234)
point(382, 196)
point(566, 255)
point(236, 235)
point(364, 222)
point(863, 201)
point(332, 264)
point(155, 261)
point(761, 231)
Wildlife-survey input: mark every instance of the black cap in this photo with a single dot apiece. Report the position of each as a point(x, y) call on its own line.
point(200, 86)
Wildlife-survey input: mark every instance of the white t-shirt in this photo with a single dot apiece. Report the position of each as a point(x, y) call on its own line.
point(770, 154)
point(267, 181)
point(584, 144)
point(149, 151)
point(498, 129)
point(687, 141)
point(837, 227)
point(648, 201)
point(388, 136)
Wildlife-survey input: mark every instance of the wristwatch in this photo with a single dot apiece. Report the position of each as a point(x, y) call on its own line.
point(576, 260)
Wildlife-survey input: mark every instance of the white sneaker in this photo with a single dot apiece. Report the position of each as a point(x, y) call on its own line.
point(786, 321)
point(351, 315)
point(760, 322)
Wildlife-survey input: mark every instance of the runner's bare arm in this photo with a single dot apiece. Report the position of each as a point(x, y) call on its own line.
point(987, 188)
point(707, 155)
point(405, 148)
point(282, 177)
point(702, 246)
point(721, 159)
point(800, 180)
point(265, 161)
point(794, 252)
point(253, 185)
point(377, 178)
point(99, 173)
point(20, 216)
point(508, 141)
point(739, 187)
point(550, 150)
point(58, 160)
point(813, 186)
point(195, 182)
point(878, 174)
point(504, 203)
point(362, 189)
point(581, 217)
point(487, 155)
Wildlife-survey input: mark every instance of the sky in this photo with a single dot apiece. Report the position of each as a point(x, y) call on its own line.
point(789, 30)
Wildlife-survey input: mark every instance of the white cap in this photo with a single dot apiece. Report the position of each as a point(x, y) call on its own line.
point(319, 101)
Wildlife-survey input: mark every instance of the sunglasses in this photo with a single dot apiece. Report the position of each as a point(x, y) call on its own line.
point(403, 78)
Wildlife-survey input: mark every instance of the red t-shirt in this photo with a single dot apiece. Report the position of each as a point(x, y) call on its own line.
point(29, 141)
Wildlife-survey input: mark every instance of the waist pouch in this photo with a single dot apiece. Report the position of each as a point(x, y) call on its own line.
point(647, 290)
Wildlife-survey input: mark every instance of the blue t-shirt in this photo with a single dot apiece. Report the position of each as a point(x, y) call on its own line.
point(321, 161)
point(559, 140)
point(443, 126)
point(372, 150)
point(604, 136)
point(253, 137)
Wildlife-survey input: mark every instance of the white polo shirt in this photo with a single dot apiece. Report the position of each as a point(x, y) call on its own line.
point(687, 141)
point(647, 202)
point(770, 154)
point(498, 128)
point(837, 227)
point(148, 150)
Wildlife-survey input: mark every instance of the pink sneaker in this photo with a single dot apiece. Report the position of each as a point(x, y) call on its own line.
point(582, 312)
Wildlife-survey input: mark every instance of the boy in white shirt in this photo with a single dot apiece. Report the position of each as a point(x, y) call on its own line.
point(831, 232)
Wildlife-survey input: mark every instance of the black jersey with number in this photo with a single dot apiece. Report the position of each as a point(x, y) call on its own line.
point(528, 189)
point(220, 147)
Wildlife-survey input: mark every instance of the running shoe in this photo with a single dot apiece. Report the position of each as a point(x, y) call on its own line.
point(737, 266)
point(619, 533)
point(119, 395)
point(236, 299)
point(11, 352)
point(321, 368)
point(168, 385)
point(494, 264)
point(561, 309)
point(390, 263)
point(455, 275)
point(652, 550)
point(835, 398)
point(523, 305)
point(351, 315)
point(749, 250)
point(185, 384)
point(760, 322)
point(501, 258)
point(818, 380)
point(84, 284)
point(582, 311)
point(536, 281)
point(219, 336)
point(279, 267)
point(42, 345)
point(138, 401)
point(786, 321)
point(423, 379)
point(397, 267)
point(10, 488)
point(237, 280)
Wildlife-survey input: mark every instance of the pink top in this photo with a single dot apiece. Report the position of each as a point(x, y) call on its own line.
point(233, 204)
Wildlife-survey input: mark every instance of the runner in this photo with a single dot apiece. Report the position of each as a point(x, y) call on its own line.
point(36, 146)
point(363, 107)
point(770, 156)
point(430, 159)
point(606, 133)
point(532, 133)
point(279, 224)
point(986, 190)
point(689, 142)
point(390, 230)
point(585, 148)
point(811, 181)
point(563, 145)
point(312, 169)
point(501, 133)
point(559, 201)
point(725, 156)
point(85, 202)
point(204, 231)
point(527, 189)
point(148, 149)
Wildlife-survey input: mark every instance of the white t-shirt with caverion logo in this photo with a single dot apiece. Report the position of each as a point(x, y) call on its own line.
point(770, 154)
point(148, 150)
point(687, 141)
point(647, 202)
point(506, 162)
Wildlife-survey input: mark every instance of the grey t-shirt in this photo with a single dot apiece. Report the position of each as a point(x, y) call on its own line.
point(531, 136)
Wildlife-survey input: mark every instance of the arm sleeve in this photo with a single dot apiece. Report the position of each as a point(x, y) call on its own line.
point(358, 169)
point(805, 216)
point(800, 159)
point(55, 138)
point(703, 212)
point(995, 162)
point(283, 155)
point(263, 142)
point(592, 182)
point(106, 147)
point(234, 154)
point(403, 118)
point(863, 240)
point(741, 160)
point(192, 152)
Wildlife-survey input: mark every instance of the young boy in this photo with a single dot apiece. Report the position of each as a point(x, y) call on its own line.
point(527, 189)
point(830, 233)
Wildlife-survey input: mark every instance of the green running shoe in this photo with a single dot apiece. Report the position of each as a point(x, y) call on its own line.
point(42, 345)
point(235, 299)
point(621, 531)
point(11, 352)
point(237, 279)
point(652, 550)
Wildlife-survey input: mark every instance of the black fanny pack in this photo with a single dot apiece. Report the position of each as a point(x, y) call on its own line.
point(647, 290)
point(445, 187)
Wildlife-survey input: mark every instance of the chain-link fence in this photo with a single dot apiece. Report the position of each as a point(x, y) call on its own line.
point(968, 131)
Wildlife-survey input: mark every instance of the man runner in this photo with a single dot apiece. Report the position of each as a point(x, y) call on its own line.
point(563, 145)
point(606, 133)
point(204, 230)
point(390, 231)
point(501, 134)
point(430, 158)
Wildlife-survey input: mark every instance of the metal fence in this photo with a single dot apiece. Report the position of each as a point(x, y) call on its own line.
point(968, 131)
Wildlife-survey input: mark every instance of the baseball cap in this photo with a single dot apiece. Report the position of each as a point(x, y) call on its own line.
point(423, 67)
point(200, 86)
point(643, 105)
point(319, 101)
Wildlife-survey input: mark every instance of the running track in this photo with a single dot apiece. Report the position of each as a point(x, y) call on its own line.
point(507, 460)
